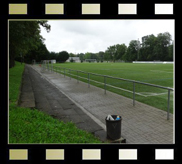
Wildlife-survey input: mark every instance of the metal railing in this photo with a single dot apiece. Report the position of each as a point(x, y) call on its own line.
point(52, 68)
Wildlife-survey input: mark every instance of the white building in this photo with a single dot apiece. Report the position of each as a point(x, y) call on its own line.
point(50, 61)
point(53, 61)
point(75, 59)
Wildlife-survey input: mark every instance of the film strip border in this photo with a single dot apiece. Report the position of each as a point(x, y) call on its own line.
point(90, 9)
point(52, 9)
point(92, 154)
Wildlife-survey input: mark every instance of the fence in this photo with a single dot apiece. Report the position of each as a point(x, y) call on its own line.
point(66, 71)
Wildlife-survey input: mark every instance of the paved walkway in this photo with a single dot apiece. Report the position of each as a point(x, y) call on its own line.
point(141, 124)
point(37, 92)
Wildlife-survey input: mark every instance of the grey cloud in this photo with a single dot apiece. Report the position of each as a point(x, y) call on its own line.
point(78, 36)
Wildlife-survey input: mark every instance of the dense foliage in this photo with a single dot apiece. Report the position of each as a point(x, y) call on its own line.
point(24, 37)
point(26, 44)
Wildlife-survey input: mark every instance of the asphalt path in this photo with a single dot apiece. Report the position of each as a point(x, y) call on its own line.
point(39, 93)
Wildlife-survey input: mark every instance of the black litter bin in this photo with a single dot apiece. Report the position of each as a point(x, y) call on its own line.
point(113, 128)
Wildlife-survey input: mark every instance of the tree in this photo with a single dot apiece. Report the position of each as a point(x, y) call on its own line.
point(132, 51)
point(100, 56)
point(87, 55)
point(147, 52)
point(170, 53)
point(81, 56)
point(120, 51)
point(72, 55)
point(93, 56)
point(62, 56)
point(156, 48)
point(52, 55)
point(163, 41)
point(41, 53)
point(23, 37)
point(107, 56)
point(112, 52)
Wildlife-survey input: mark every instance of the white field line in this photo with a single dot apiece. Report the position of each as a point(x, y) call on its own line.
point(160, 71)
point(144, 94)
point(168, 69)
point(156, 94)
point(149, 94)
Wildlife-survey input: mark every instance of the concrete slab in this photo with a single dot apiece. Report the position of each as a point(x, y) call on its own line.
point(26, 96)
point(27, 104)
point(101, 134)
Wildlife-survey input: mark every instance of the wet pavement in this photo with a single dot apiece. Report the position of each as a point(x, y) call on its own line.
point(141, 124)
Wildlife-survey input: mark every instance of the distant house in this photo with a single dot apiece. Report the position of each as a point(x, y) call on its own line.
point(53, 61)
point(49, 61)
point(75, 59)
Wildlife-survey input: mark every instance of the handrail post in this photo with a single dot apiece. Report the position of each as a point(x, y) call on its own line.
point(64, 72)
point(105, 84)
point(133, 93)
point(70, 74)
point(77, 77)
point(168, 105)
point(88, 80)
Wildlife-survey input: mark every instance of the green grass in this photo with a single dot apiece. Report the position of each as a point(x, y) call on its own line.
point(32, 126)
point(159, 74)
point(15, 75)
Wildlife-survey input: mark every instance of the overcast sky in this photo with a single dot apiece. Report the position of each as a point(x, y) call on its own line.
point(81, 36)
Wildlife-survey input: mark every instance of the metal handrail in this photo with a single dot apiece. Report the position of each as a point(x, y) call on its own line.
point(107, 76)
point(118, 78)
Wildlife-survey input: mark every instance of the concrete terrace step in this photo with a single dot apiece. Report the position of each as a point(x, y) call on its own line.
point(27, 96)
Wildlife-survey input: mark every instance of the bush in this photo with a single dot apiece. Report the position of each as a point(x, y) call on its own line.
point(72, 60)
point(62, 56)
